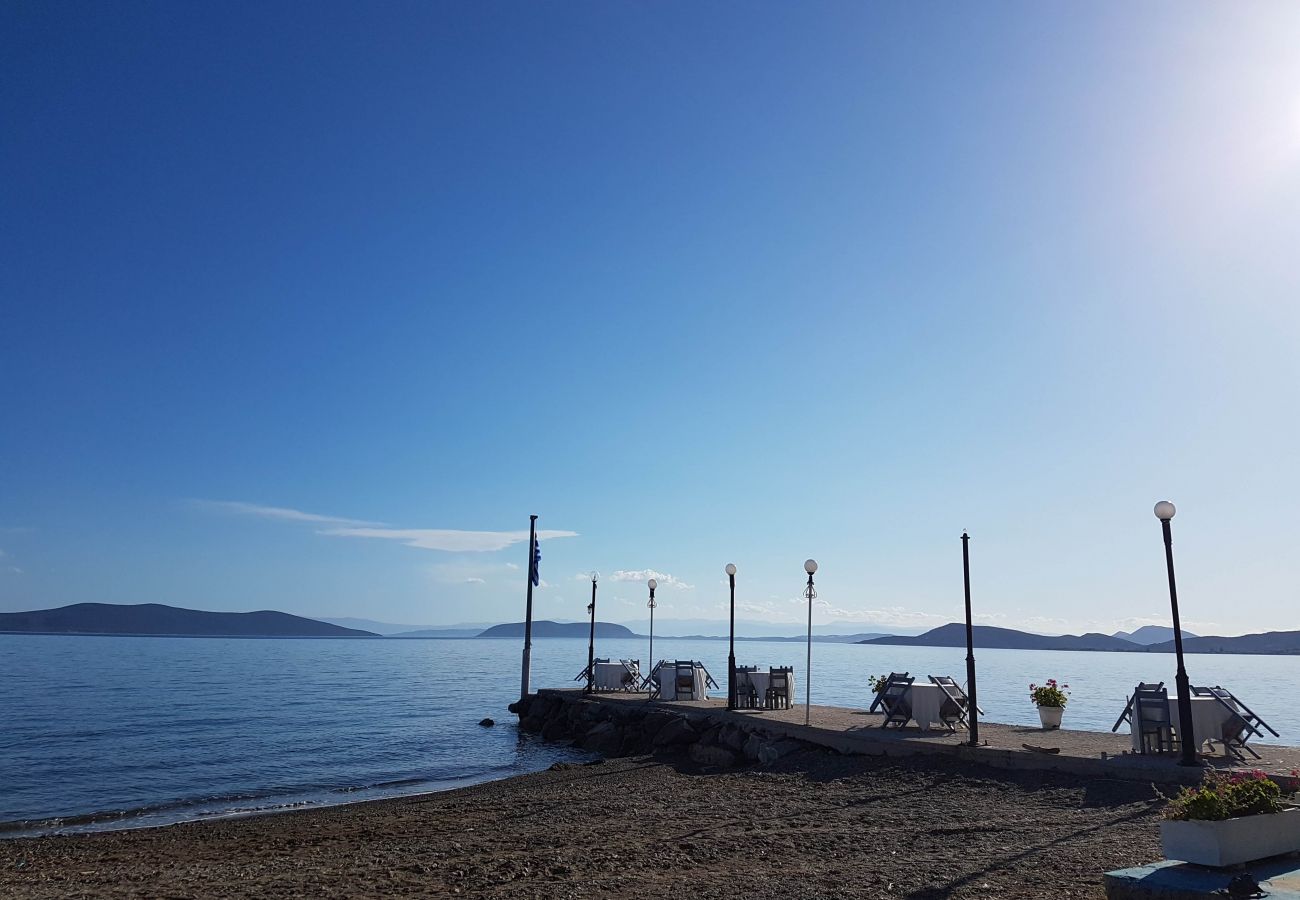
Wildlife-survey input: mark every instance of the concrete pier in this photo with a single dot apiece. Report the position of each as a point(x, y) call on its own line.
point(855, 731)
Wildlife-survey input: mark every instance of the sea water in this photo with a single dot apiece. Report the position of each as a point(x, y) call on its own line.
point(111, 732)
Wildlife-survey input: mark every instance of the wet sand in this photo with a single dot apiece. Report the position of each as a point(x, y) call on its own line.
point(813, 825)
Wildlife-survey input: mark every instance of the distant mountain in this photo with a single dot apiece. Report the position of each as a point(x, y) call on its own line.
point(1151, 634)
point(817, 638)
point(1271, 642)
point(751, 628)
point(156, 619)
point(548, 629)
point(449, 632)
point(954, 635)
point(370, 625)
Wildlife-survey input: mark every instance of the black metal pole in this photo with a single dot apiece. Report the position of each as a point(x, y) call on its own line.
point(972, 707)
point(591, 643)
point(528, 618)
point(1185, 736)
point(731, 654)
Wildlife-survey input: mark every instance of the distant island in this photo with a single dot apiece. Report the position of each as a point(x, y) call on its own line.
point(954, 635)
point(548, 629)
point(156, 619)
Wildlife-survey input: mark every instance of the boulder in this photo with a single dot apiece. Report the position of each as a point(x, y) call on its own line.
point(655, 721)
point(712, 756)
point(710, 737)
point(770, 751)
point(531, 723)
point(732, 737)
point(751, 747)
point(675, 733)
point(487, 723)
point(555, 730)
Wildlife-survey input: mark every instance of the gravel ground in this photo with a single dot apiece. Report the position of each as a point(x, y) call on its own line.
point(814, 825)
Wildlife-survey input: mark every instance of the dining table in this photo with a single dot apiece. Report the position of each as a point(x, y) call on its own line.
point(1209, 717)
point(761, 680)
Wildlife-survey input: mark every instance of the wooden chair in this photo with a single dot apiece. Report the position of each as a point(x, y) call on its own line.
point(893, 700)
point(954, 709)
point(1151, 719)
point(746, 694)
point(684, 679)
point(777, 695)
point(1240, 725)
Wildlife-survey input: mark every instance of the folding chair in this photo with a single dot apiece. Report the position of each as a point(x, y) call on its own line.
point(1151, 719)
point(631, 674)
point(893, 699)
point(777, 695)
point(1127, 714)
point(746, 694)
point(684, 679)
point(1240, 725)
point(892, 676)
point(652, 682)
point(954, 709)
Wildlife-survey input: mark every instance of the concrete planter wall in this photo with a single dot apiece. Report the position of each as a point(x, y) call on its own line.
point(1231, 841)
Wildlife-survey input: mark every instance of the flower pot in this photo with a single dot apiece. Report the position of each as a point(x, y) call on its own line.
point(1231, 842)
point(1050, 716)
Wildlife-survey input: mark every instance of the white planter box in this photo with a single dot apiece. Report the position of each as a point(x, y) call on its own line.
point(1050, 716)
point(1231, 841)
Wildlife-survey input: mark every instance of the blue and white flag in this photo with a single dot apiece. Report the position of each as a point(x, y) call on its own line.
point(537, 562)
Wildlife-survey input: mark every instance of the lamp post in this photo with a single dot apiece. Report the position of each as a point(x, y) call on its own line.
point(591, 643)
point(972, 708)
point(809, 566)
point(731, 652)
point(1165, 512)
point(652, 585)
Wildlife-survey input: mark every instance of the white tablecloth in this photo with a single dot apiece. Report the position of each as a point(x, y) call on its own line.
point(1208, 718)
point(760, 680)
point(609, 676)
point(926, 700)
point(667, 674)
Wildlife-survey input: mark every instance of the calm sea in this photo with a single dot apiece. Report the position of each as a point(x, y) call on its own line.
point(112, 732)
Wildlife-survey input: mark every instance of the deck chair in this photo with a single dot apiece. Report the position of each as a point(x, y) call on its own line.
point(1151, 719)
point(746, 694)
point(586, 670)
point(684, 679)
point(777, 695)
point(1240, 725)
point(1127, 714)
point(893, 700)
point(953, 711)
point(876, 702)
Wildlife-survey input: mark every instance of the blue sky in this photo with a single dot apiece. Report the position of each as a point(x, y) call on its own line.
point(294, 299)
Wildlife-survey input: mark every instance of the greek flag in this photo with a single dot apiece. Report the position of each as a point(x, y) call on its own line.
point(537, 562)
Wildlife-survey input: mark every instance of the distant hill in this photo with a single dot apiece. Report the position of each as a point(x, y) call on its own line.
point(817, 638)
point(1271, 642)
point(449, 632)
point(1151, 634)
point(954, 635)
point(370, 624)
point(156, 619)
point(549, 629)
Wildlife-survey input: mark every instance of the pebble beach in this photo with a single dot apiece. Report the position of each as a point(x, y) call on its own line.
point(813, 824)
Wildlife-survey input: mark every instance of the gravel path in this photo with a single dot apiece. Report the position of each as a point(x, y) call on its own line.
point(814, 825)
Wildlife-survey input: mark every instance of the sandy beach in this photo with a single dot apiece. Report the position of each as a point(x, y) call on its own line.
point(812, 825)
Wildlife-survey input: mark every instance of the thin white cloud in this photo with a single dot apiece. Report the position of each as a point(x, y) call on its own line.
point(475, 580)
point(511, 566)
point(15, 570)
point(279, 513)
point(644, 575)
point(447, 539)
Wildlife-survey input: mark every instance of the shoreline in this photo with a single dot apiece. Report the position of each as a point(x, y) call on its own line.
point(813, 824)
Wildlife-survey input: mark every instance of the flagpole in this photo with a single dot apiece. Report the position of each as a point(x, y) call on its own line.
point(528, 619)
